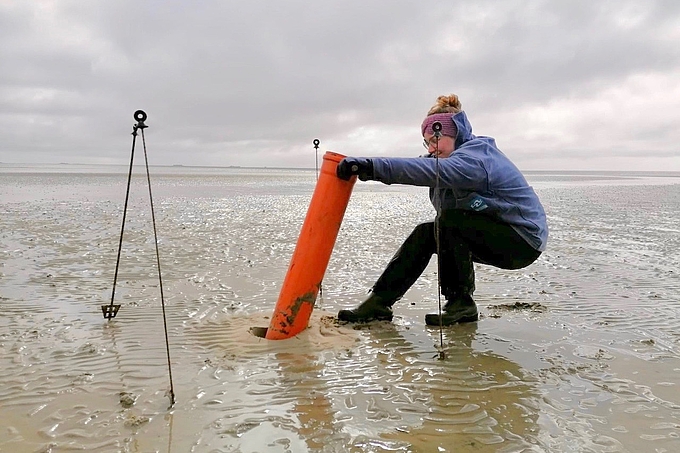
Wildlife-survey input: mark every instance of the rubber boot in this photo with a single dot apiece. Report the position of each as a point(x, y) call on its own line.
point(460, 309)
point(375, 308)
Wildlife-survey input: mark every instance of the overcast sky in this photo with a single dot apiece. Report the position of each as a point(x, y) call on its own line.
point(560, 85)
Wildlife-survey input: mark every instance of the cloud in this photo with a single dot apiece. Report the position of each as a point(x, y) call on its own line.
point(227, 83)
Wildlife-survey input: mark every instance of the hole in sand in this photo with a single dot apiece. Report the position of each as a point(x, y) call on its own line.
point(259, 331)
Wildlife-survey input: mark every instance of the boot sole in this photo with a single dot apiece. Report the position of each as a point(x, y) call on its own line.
point(433, 320)
point(348, 316)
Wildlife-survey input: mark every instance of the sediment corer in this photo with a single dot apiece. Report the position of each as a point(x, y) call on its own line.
point(312, 253)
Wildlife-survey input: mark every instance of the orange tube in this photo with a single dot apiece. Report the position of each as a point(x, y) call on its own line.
point(312, 252)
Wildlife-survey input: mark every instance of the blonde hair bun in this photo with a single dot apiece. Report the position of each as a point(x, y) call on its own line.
point(446, 104)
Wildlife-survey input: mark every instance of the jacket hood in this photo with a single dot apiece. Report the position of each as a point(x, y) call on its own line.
point(464, 128)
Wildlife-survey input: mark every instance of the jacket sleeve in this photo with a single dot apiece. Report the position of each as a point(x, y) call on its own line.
point(459, 171)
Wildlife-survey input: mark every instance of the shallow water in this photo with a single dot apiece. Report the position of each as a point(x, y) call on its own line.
point(578, 352)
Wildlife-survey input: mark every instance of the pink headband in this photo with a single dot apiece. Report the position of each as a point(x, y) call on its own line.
point(448, 126)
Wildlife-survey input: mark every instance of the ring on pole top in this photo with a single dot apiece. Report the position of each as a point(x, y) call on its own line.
point(140, 116)
point(437, 128)
point(316, 142)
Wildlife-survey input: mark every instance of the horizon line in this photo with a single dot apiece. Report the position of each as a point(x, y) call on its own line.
point(251, 167)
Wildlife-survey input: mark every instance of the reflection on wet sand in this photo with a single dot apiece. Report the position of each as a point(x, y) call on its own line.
point(379, 392)
point(301, 381)
point(468, 401)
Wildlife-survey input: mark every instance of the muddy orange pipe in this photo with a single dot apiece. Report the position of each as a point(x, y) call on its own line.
point(312, 252)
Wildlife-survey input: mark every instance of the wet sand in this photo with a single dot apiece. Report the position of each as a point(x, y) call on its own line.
point(578, 352)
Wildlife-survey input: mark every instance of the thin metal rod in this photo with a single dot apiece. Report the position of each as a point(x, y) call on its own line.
point(122, 228)
point(316, 157)
point(437, 232)
point(160, 278)
point(316, 172)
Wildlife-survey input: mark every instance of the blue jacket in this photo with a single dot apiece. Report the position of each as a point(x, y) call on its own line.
point(478, 177)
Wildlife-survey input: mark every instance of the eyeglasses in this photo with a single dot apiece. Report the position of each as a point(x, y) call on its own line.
point(431, 142)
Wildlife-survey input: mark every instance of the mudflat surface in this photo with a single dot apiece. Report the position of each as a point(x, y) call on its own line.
point(578, 352)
